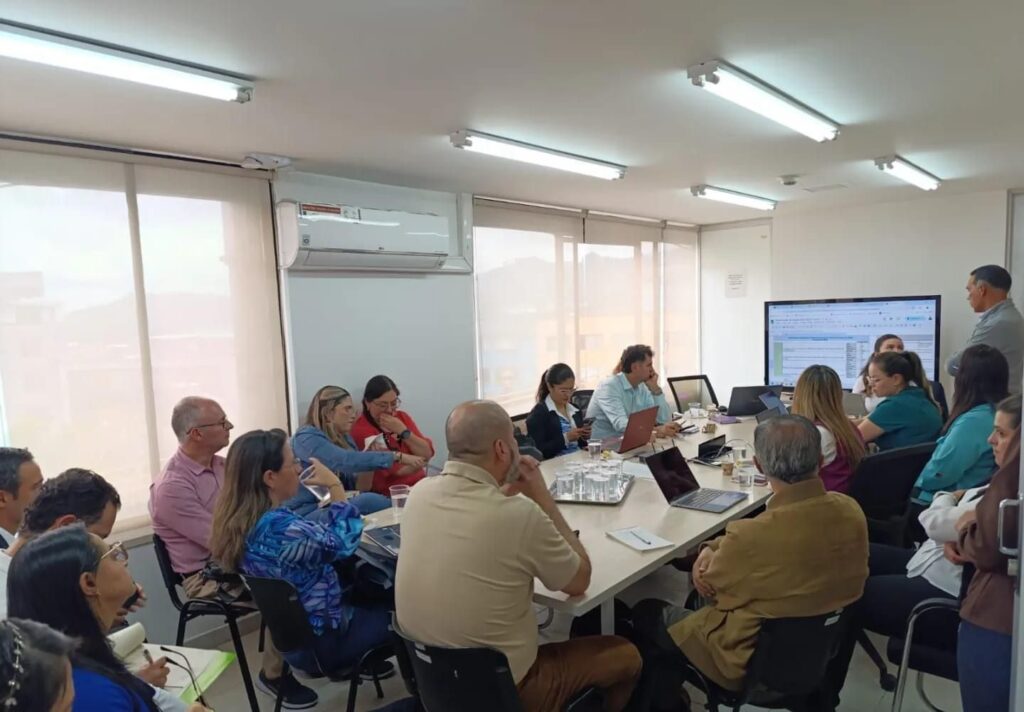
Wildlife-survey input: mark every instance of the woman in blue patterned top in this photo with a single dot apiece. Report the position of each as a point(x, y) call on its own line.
point(254, 533)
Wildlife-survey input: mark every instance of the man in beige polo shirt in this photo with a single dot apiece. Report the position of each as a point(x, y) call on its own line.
point(473, 541)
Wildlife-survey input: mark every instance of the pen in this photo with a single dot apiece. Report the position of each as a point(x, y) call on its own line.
point(149, 658)
point(640, 538)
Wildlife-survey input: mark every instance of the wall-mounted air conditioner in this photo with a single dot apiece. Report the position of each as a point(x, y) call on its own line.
point(320, 236)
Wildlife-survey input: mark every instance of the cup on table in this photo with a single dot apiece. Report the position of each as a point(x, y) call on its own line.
point(727, 468)
point(694, 410)
point(594, 448)
point(565, 482)
point(399, 496)
point(744, 477)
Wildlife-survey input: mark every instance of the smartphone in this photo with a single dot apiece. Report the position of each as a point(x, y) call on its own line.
point(133, 599)
point(587, 422)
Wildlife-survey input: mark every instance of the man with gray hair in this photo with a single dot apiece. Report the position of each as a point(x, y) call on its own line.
point(473, 541)
point(805, 555)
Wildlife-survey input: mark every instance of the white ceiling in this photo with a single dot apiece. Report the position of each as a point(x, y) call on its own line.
point(370, 89)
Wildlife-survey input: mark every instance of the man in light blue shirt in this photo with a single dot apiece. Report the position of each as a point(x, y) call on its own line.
point(634, 387)
point(1001, 326)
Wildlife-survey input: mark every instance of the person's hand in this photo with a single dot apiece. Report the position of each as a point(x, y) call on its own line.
point(414, 461)
point(952, 552)
point(581, 433)
point(322, 475)
point(530, 481)
point(668, 430)
point(390, 424)
point(652, 383)
point(700, 567)
point(965, 520)
point(958, 495)
point(155, 673)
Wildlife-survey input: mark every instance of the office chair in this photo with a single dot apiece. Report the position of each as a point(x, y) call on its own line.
point(198, 607)
point(692, 389)
point(519, 422)
point(470, 679)
point(288, 622)
point(581, 399)
point(882, 485)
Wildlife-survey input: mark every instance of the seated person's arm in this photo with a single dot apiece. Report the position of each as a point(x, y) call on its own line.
point(348, 462)
point(335, 536)
point(729, 573)
point(939, 519)
point(869, 431)
point(979, 540)
point(609, 400)
point(181, 511)
point(948, 463)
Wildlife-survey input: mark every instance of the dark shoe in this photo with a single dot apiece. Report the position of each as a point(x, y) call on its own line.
point(383, 669)
point(295, 695)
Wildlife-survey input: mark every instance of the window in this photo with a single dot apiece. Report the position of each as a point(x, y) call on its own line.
point(100, 333)
point(552, 287)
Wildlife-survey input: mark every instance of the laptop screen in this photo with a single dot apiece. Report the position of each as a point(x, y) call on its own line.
point(711, 448)
point(672, 474)
point(771, 400)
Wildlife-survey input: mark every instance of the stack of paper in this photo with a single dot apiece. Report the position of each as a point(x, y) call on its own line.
point(639, 538)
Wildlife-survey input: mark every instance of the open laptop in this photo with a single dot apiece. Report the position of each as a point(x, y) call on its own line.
point(387, 538)
point(709, 451)
point(680, 487)
point(746, 400)
point(638, 432)
point(773, 406)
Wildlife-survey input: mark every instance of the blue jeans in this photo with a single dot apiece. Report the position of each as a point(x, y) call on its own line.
point(307, 506)
point(337, 649)
point(983, 661)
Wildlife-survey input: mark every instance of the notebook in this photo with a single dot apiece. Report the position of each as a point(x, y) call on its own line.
point(639, 538)
point(207, 665)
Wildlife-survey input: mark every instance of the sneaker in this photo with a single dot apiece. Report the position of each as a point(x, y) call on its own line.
point(296, 696)
point(383, 668)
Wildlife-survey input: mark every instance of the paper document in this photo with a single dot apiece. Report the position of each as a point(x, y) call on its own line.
point(640, 539)
point(370, 440)
point(207, 665)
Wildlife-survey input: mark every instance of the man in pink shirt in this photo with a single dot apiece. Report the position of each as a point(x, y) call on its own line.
point(181, 504)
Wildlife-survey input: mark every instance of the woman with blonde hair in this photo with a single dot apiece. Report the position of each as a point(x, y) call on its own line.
point(325, 435)
point(818, 396)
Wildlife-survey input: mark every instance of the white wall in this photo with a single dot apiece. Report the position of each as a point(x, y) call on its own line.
point(924, 246)
point(732, 324)
point(343, 328)
point(1016, 265)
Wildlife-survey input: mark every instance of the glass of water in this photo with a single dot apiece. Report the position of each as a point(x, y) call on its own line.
point(594, 448)
point(565, 482)
point(694, 409)
point(399, 496)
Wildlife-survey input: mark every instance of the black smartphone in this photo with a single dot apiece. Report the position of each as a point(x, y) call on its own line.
point(132, 600)
point(588, 421)
point(576, 532)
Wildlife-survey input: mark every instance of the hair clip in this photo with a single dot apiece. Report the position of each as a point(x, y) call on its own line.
point(14, 684)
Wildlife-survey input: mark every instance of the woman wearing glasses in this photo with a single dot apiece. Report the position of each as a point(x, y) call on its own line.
point(326, 436)
point(75, 583)
point(555, 424)
point(255, 533)
point(384, 424)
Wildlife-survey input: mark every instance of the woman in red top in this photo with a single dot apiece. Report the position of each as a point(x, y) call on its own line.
point(381, 416)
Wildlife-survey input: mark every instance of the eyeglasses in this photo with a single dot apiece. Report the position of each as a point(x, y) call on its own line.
point(117, 552)
point(396, 404)
point(223, 423)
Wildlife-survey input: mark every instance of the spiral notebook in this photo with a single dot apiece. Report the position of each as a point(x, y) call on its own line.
point(207, 665)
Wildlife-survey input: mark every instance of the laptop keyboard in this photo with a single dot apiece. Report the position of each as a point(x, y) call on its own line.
point(700, 497)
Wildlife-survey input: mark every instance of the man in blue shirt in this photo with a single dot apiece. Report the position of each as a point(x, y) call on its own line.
point(632, 388)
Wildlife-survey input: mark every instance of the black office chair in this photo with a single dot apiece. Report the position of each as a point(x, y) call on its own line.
point(882, 485)
point(787, 669)
point(691, 389)
point(519, 422)
point(198, 607)
point(939, 394)
point(581, 399)
point(290, 630)
point(471, 679)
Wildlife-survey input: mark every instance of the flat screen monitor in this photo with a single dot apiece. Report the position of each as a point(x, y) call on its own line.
point(841, 333)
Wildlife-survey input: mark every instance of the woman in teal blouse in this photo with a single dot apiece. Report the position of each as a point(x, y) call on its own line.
point(909, 414)
point(962, 457)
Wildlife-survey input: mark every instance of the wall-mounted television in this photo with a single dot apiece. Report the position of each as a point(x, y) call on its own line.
point(841, 333)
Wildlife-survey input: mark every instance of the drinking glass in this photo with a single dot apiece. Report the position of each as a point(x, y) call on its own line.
point(594, 448)
point(565, 482)
point(694, 410)
point(399, 496)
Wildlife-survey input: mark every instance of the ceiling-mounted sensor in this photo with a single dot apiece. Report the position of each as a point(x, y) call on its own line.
point(265, 162)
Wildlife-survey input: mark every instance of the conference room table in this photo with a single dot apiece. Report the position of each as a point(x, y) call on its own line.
point(617, 566)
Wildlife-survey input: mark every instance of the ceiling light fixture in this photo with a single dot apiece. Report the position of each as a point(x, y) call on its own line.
point(518, 151)
point(722, 195)
point(906, 171)
point(58, 50)
point(751, 93)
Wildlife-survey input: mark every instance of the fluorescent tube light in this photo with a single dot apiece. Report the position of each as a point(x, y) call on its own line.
point(731, 196)
point(907, 171)
point(519, 151)
point(56, 50)
point(751, 93)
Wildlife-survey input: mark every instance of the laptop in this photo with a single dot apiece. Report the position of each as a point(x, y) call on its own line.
point(773, 406)
point(709, 451)
point(638, 432)
point(746, 400)
point(388, 538)
point(680, 487)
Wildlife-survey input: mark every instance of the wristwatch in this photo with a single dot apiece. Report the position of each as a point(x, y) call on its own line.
point(404, 434)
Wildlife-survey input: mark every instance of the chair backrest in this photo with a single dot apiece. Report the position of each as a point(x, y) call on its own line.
point(792, 654)
point(461, 679)
point(171, 578)
point(883, 482)
point(692, 389)
point(939, 394)
point(519, 422)
point(282, 612)
point(581, 399)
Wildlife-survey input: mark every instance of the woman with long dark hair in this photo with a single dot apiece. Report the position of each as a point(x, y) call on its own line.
point(909, 414)
point(383, 421)
point(962, 457)
point(75, 583)
point(255, 533)
point(555, 424)
point(35, 671)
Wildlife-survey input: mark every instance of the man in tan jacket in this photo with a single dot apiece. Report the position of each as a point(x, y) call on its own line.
point(805, 555)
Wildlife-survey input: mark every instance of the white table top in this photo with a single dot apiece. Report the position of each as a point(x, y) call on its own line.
point(617, 566)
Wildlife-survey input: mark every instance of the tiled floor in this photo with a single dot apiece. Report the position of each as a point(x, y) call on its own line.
point(861, 693)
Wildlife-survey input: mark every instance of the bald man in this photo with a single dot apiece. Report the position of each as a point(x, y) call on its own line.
point(473, 541)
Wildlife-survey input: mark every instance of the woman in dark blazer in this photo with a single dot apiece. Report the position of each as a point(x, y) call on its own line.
point(555, 424)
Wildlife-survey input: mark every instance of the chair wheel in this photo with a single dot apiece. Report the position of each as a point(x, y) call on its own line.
point(887, 682)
